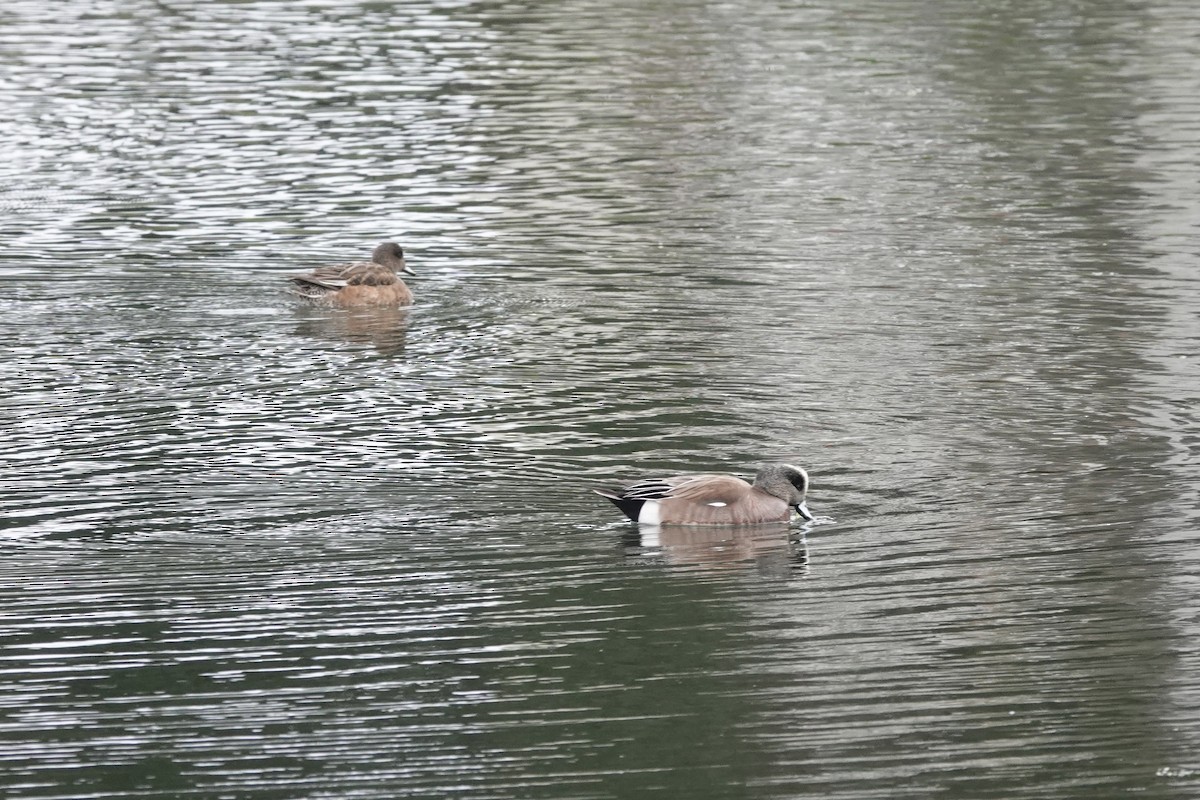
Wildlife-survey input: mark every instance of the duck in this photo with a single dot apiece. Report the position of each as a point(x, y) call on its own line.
point(714, 499)
point(360, 283)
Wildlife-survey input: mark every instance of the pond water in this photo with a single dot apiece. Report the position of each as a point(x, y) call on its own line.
point(943, 256)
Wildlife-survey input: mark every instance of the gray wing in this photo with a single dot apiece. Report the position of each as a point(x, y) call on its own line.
point(687, 486)
point(334, 277)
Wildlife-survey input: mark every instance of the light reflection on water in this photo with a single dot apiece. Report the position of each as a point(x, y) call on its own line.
point(258, 549)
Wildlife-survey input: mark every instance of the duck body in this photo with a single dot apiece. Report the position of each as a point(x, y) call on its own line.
point(712, 499)
point(358, 284)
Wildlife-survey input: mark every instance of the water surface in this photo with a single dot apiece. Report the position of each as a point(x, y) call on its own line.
point(945, 259)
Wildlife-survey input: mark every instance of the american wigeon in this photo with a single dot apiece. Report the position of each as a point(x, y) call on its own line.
point(361, 283)
point(715, 499)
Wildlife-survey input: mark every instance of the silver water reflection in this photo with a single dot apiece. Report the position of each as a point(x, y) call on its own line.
point(941, 259)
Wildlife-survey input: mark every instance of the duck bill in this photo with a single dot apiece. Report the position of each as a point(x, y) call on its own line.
point(802, 510)
point(407, 270)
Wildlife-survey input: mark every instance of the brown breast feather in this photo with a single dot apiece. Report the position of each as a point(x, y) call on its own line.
point(369, 274)
point(397, 294)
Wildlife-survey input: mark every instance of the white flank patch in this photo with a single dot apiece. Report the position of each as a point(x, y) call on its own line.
point(650, 513)
point(717, 504)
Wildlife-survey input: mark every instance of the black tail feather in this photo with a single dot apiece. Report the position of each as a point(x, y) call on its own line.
point(630, 506)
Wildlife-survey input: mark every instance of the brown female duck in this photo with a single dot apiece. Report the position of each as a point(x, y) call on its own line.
point(358, 284)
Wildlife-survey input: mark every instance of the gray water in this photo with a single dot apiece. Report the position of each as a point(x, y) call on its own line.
point(942, 255)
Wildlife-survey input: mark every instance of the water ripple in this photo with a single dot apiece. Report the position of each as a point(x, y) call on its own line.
point(252, 548)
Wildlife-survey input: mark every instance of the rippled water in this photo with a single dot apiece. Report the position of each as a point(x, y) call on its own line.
point(943, 257)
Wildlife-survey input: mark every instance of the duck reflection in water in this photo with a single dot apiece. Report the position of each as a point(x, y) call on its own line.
point(776, 550)
point(385, 329)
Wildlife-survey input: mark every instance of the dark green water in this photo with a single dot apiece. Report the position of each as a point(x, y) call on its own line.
point(943, 256)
